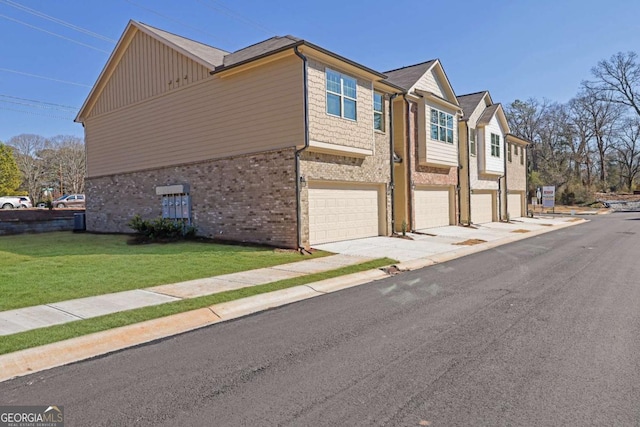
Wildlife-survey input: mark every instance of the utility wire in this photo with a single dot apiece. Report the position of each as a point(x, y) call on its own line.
point(36, 103)
point(178, 21)
point(53, 34)
point(37, 114)
point(235, 15)
point(44, 77)
point(56, 20)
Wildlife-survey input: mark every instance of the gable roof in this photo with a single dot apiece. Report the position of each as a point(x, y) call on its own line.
point(469, 103)
point(491, 111)
point(216, 60)
point(406, 77)
point(209, 56)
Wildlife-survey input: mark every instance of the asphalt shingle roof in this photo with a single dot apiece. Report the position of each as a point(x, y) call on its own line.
point(259, 49)
point(208, 54)
point(407, 76)
point(469, 102)
point(485, 118)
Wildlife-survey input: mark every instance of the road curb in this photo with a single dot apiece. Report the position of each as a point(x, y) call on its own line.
point(36, 359)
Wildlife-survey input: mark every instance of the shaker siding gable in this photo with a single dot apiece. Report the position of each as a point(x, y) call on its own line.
point(147, 68)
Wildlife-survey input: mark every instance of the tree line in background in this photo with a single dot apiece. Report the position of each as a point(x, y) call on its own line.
point(591, 143)
point(42, 167)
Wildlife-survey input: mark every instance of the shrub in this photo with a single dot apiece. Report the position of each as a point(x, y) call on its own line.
point(162, 229)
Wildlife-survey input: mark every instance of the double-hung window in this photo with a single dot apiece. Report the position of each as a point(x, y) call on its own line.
point(472, 141)
point(341, 95)
point(378, 111)
point(495, 145)
point(441, 126)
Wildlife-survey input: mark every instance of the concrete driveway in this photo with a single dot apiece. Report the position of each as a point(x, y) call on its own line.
point(441, 240)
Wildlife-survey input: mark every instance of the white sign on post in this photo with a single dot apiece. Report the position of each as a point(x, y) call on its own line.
point(549, 197)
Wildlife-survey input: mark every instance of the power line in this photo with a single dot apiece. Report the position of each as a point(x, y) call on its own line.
point(177, 21)
point(44, 77)
point(37, 114)
point(36, 103)
point(57, 20)
point(53, 34)
point(235, 15)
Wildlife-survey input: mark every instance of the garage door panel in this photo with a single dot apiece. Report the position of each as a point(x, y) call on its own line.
point(481, 208)
point(342, 213)
point(432, 208)
point(514, 205)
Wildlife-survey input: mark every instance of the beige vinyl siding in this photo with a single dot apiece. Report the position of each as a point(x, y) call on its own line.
point(435, 152)
point(256, 110)
point(431, 83)
point(147, 68)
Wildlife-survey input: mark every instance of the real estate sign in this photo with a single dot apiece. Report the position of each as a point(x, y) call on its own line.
point(548, 197)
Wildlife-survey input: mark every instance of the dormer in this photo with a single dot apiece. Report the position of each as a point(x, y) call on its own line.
point(491, 131)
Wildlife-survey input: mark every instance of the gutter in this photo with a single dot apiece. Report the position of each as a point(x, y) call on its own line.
point(306, 145)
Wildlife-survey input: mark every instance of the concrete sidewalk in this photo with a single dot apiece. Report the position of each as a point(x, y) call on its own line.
point(28, 318)
point(435, 246)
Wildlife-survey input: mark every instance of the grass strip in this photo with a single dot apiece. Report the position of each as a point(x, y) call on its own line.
point(42, 336)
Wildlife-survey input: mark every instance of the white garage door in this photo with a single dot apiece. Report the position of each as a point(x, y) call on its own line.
point(432, 208)
point(514, 202)
point(481, 208)
point(342, 213)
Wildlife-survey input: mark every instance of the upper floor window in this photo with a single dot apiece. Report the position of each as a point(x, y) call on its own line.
point(441, 126)
point(522, 156)
point(472, 141)
point(509, 152)
point(495, 145)
point(341, 95)
point(378, 111)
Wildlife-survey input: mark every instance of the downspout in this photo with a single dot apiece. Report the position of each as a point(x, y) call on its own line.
point(393, 163)
point(469, 169)
point(506, 189)
point(526, 181)
point(409, 164)
point(459, 187)
point(306, 145)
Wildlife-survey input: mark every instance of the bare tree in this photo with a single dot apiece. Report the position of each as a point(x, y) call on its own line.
point(618, 80)
point(604, 117)
point(69, 162)
point(628, 151)
point(27, 150)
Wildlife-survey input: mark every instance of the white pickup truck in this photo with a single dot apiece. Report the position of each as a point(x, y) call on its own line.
point(14, 202)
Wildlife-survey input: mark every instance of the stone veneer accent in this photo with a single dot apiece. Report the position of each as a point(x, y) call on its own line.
point(250, 198)
point(336, 130)
point(517, 173)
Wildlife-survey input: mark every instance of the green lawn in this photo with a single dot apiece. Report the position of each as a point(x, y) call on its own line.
point(44, 268)
point(37, 337)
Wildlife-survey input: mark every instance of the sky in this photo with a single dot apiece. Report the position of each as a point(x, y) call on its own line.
point(52, 51)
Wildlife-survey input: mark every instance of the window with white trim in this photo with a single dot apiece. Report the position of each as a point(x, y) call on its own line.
point(472, 141)
point(441, 126)
point(495, 145)
point(378, 111)
point(509, 152)
point(341, 95)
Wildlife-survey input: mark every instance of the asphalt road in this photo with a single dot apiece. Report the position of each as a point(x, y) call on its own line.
point(543, 332)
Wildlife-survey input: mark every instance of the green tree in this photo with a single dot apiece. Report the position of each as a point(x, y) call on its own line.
point(9, 173)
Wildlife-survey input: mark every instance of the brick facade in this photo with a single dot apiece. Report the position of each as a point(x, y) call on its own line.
point(249, 198)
